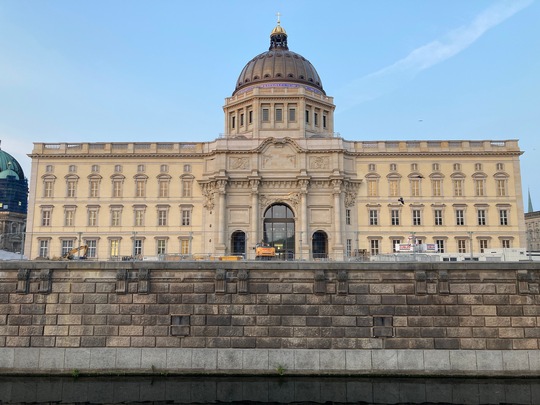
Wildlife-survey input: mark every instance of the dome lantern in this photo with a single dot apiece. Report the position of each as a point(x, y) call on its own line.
point(278, 37)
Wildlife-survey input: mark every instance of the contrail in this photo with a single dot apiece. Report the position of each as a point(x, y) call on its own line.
point(391, 77)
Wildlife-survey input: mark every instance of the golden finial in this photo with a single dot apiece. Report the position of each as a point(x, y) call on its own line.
point(278, 14)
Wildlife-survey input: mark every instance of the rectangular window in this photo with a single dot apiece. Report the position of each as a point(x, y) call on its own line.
point(347, 217)
point(440, 245)
point(137, 247)
point(307, 116)
point(140, 168)
point(458, 188)
point(506, 244)
point(265, 115)
point(184, 246)
point(186, 217)
point(43, 248)
point(481, 217)
point(503, 217)
point(374, 245)
point(116, 216)
point(46, 218)
point(94, 188)
point(483, 245)
point(161, 246)
point(67, 245)
point(164, 168)
point(117, 188)
point(48, 189)
point(393, 188)
point(324, 121)
point(373, 217)
point(372, 188)
point(417, 217)
point(501, 188)
point(479, 188)
point(69, 217)
point(241, 120)
point(92, 217)
point(462, 246)
point(233, 121)
point(395, 217)
point(250, 117)
point(460, 217)
point(395, 245)
point(348, 247)
point(114, 247)
point(316, 119)
point(438, 215)
point(71, 188)
point(164, 188)
point(436, 187)
point(91, 253)
point(139, 217)
point(162, 217)
point(140, 189)
point(292, 114)
point(186, 188)
point(279, 114)
point(415, 188)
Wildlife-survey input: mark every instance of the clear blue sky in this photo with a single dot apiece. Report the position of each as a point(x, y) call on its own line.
point(113, 70)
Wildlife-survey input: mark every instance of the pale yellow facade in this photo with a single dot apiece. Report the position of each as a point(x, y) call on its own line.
point(279, 174)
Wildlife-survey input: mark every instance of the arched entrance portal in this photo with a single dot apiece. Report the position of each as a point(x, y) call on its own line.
point(238, 243)
point(278, 230)
point(320, 245)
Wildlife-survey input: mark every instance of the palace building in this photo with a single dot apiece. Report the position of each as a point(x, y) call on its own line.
point(279, 174)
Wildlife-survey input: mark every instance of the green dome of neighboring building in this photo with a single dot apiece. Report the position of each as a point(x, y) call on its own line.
point(5, 174)
point(8, 162)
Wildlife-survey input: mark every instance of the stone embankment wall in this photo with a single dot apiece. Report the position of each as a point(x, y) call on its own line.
point(246, 309)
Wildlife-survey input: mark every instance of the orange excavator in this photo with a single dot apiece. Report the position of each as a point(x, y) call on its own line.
point(70, 255)
point(263, 251)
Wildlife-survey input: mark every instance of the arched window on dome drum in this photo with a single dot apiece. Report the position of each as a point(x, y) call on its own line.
point(279, 230)
point(238, 243)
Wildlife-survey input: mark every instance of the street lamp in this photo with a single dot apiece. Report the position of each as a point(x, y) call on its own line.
point(413, 244)
point(471, 244)
point(134, 244)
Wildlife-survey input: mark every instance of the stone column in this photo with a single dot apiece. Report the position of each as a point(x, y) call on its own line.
point(305, 247)
point(254, 236)
point(222, 221)
point(338, 244)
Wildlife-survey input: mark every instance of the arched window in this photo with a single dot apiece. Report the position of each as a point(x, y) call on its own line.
point(238, 243)
point(279, 230)
point(320, 245)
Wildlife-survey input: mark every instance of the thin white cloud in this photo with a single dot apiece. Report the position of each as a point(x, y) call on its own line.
point(391, 77)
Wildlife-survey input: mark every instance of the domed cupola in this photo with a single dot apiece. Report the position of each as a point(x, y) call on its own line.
point(279, 64)
point(9, 166)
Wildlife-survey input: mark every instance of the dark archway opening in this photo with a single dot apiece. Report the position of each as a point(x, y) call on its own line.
point(279, 230)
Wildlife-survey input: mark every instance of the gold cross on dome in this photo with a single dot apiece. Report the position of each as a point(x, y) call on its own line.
point(278, 17)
